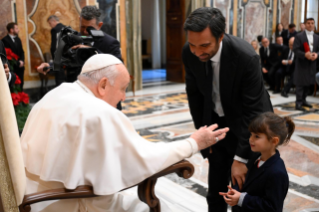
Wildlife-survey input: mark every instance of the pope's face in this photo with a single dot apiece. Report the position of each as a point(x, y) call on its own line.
point(203, 44)
point(116, 92)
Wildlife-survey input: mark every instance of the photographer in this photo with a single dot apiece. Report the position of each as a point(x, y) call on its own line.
point(90, 17)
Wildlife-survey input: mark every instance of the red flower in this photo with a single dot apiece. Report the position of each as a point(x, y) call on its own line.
point(15, 98)
point(11, 55)
point(18, 81)
point(24, 97)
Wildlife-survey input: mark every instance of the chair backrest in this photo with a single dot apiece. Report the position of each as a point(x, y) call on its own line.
point(12, 173)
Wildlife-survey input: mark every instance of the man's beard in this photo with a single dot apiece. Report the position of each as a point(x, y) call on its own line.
point(15, 33)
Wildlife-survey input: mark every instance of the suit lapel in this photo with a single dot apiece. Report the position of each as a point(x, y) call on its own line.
point(227, 73)
point(252, 176)
point(208, 80)
point(315, 43)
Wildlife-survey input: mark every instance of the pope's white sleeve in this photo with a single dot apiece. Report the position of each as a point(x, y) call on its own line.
point(180, 150)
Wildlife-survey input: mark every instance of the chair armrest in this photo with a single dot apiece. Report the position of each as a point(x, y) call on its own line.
point(146, 189)
point(54, 194)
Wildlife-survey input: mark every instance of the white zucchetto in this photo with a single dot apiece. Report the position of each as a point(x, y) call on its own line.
point(99, 61)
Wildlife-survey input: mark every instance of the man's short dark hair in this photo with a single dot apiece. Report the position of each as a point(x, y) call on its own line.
point(204, 17)
point(279, 37)
point(53, 17)
point(11, 26)
point(259, 38)
point(91, 12)
point(309, 19)
point(291, 26)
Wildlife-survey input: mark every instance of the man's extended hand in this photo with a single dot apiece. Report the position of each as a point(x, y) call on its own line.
point(206, 136)
point(43, 65)
point(238, 173)
point(6, 70)
point(231, 197)
point(80, 46)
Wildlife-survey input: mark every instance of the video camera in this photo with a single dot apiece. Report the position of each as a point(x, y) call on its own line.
point(72, 60)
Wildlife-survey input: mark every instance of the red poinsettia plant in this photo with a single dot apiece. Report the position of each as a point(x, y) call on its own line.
point(21, 103)
point(12, 58)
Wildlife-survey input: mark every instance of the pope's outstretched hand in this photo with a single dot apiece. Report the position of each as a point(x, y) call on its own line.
point(206, 136)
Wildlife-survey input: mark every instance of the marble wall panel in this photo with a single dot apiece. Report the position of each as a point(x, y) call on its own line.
point(285, 12)
point(6, 16)
point(65, 10)
point(223, 6)
point(254, 20)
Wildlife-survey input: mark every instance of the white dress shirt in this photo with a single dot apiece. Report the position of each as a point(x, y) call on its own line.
point(12, 37)
point(310, 39)
point(216, 94)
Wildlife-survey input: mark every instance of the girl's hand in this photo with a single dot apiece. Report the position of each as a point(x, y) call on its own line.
point(231, 197)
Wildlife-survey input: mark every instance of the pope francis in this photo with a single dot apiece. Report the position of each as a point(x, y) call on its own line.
point(75, 136)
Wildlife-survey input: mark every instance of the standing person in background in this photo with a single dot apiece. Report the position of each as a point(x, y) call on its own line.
point(270, 56)
point(306, 49)
point(13, 42)
point(278, 32)
point(302, 27)
point(56, 26)
point(289, 33)
point(224, 85)
point(279, 41)
point(255, 45)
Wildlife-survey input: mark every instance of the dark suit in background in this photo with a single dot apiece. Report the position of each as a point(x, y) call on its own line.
point(286, 35)
point(16, 48)
point(242, 95)
point(285, 70)
point(305, 70)
point(270, 60)
point(59, 75)
point(266, 186)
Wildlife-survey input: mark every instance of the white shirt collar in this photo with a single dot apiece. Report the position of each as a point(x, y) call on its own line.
point(86, 89)
point(309, 32)
point(12, 36)
point(216, 58)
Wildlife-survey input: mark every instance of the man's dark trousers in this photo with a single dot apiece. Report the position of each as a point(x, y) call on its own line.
point(220, 161)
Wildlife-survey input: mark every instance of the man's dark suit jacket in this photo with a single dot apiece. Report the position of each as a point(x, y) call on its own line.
point(54, 32)
point(266, 186)
point(4, 60)
point(242, 91)
point(271, 62)
point(286, 35)
point(16, 48)
point(108, 45)
point(305, 70)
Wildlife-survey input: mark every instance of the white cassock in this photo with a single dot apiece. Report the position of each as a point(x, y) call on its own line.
point(72, 138)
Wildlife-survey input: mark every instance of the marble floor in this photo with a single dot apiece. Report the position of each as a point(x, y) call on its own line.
point(160, 113)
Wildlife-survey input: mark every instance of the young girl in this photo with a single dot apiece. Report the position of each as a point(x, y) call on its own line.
point(267, 182)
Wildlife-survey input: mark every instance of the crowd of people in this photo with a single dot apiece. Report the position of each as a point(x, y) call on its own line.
point(293, 56)
point(228, 101)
